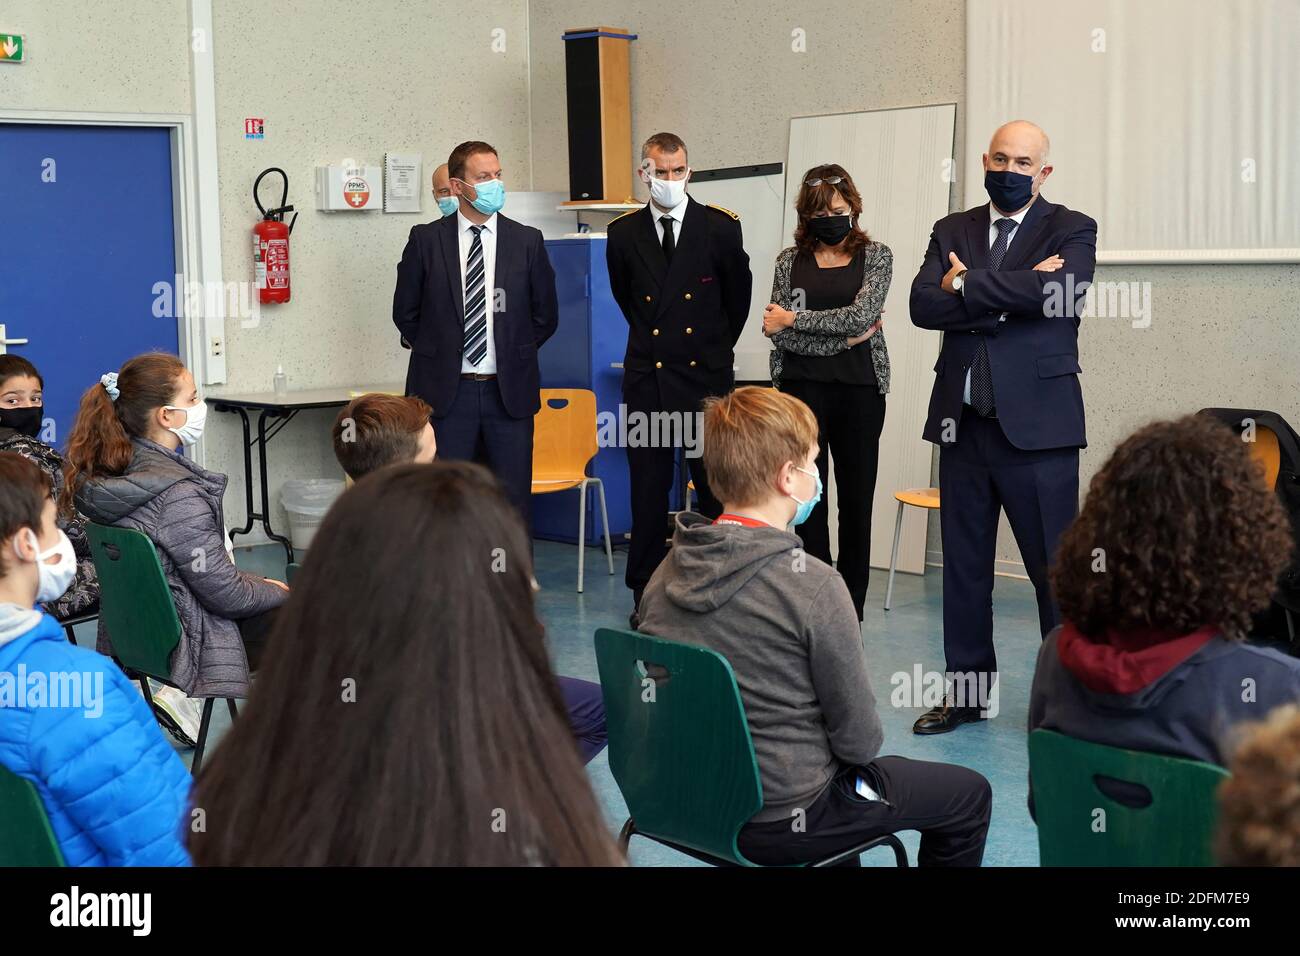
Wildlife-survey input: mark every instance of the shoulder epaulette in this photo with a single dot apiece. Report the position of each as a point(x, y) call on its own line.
point(625, 214)
point(725, 210)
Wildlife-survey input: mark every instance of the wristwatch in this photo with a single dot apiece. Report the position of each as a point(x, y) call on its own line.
point(958, 281)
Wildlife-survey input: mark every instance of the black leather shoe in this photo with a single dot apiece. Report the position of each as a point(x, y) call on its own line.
point(633, 621)
point(945, 718)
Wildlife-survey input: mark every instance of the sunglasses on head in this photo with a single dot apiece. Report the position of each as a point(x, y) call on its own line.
point(829, 181)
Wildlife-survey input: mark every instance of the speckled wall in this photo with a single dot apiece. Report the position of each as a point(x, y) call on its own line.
point(335, 80)
point(130, 56)
point(723, 75)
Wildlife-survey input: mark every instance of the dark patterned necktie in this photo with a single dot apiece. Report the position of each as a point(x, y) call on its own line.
point(475, 301)
point(669, 242)
point(981, 376)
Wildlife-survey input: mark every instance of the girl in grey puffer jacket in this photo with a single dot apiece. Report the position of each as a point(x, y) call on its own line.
point(125, 469)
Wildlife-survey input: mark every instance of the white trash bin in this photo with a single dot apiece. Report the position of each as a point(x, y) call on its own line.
point(306, 500)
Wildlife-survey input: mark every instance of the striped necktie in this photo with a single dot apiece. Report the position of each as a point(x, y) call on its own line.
point(981, 376)
point(475, 301)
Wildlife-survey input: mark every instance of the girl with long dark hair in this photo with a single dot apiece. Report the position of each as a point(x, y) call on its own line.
point(406, 712)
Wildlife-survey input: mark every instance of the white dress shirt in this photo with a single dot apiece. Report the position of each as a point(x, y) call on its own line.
point(677, 214)
point(488, 237)
point(994, 216)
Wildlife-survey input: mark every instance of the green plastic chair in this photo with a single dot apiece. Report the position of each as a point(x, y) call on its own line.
point(135, 604)
point(25, 835)
point(1175, 829)
point(680, 750)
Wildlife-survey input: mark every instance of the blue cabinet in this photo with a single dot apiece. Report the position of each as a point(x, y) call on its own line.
point(590, 340)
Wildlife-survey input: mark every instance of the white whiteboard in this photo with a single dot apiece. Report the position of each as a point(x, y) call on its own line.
point(760, 203)
point(898, 159)
point(1172, 122)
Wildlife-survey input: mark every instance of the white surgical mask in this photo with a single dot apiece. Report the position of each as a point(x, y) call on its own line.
point(668, 193)
point(192, 430)
point(54, 578)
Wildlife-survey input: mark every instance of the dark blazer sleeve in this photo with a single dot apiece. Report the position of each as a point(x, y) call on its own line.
point(410, 289)
point(618, 277)
point(737, 282)
point(541, 281)
point(932, 308)
point(1021, 292)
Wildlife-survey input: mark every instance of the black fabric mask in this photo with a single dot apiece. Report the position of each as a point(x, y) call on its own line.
point(830, 230)
point(25, 421)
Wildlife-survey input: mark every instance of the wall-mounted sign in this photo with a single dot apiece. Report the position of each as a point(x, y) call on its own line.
point(254, 128)
point(12, 48)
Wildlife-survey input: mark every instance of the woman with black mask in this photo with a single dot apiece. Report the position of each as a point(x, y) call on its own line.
point(824, 321)
point(22, 423)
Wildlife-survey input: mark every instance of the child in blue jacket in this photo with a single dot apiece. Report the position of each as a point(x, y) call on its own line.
point(70, 721)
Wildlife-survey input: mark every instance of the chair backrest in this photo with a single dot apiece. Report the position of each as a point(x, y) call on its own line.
point(679, 747)
point(1078, 825)
point(135, 602)
point(25, 835)
point(1265, 450)
point(564, 433)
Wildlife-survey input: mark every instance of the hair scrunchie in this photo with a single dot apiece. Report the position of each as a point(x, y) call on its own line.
point(109, 381)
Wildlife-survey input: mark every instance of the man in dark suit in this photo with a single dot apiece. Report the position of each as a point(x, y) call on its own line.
point(679, 272)
point(475, 298)
point(1004, 281)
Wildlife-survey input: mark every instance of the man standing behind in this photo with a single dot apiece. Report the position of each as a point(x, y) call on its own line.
point(1003, 281)
point(475, 298)
point(679, 272)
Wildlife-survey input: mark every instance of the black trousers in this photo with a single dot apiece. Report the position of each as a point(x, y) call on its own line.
point(849, 421)
point(255, 630)
point(650, 474)
point(950, 805)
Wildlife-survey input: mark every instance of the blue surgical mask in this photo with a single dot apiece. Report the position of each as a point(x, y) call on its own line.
point(806, 507)
point(489, 196)
point(448, 205)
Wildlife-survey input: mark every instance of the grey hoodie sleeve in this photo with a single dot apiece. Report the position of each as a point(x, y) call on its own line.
point(839, 674)
point(188, 533)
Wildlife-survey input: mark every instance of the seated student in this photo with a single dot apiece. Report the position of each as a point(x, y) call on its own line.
point(406, 713)
point(1177, 544)
point(21, 409)
point(1259, 805)
point(125, 468)
point(376, 430)
point(114, 790)
point(785, 621)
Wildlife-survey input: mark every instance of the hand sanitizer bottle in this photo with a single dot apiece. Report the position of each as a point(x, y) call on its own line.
point(280, 383)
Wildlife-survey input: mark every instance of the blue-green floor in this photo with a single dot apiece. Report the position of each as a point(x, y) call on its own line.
point(896, 641)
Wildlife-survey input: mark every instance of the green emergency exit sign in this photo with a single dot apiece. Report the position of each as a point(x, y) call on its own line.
point(11, 48)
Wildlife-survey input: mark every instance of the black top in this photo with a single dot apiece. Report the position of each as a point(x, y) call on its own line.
point(831, 288)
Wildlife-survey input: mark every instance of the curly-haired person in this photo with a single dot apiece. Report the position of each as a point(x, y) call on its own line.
point(1179, 541)
point(1259, 805)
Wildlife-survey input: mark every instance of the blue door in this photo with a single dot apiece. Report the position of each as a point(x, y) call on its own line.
point(88, 231)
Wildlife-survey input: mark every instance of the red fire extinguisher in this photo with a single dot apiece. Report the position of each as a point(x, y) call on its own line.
point(271, 244)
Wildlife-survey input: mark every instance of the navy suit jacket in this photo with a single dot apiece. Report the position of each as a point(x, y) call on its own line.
point(1034, 354)
point(429, 312)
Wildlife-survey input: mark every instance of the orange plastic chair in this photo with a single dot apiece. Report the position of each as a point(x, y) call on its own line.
point(1264, 449)
point(564, 443)
point(917, 498)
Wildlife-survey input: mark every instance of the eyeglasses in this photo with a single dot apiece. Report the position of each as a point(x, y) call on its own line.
point(829, 181)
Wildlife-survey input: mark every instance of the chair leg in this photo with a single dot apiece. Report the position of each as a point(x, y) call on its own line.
point(604, 523)
point(893, 557)
point(202, 742)
point(72, 636)
point(1290, 623)
point(625, 835)
point(234, 711)
point(582, 529)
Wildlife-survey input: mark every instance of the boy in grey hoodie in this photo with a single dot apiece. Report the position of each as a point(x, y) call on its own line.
point(743, 587)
